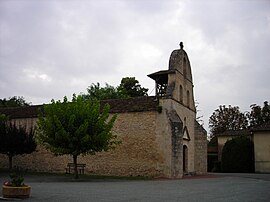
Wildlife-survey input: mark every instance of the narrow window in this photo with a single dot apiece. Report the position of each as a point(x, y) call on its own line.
point(185, 158)
point(181, 94)
point(185, 68)
point(188, 100)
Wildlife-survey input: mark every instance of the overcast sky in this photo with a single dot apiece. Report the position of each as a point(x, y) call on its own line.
point(53, 48)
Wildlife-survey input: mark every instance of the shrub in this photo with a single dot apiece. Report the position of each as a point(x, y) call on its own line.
point(238, 155)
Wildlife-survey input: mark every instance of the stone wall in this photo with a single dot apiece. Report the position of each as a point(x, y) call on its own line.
point(141, 152)
point(200, 149)
point(187, 116)
point(152, 141)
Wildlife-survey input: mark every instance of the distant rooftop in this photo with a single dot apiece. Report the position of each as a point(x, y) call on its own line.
point(234, 132)
point(264, 127)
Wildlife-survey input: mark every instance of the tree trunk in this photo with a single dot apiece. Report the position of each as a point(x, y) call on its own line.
point(75, 167)
point(10, 162)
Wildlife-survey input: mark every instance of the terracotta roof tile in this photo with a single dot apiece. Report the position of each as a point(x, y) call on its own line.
point(234, 132)
point(22, 112)
point(134, 104)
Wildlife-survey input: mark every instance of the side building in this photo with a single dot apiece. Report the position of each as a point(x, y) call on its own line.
point(260, 136)
point(160, 135)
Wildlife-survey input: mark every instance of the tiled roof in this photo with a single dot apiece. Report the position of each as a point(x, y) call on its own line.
point(264, 127)
point(234, 132)
point(22, 112)
point(134, 104)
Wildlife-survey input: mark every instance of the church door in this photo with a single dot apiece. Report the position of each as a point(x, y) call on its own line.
point(185, 158)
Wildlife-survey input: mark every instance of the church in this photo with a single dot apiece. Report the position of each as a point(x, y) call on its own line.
point(160, 135)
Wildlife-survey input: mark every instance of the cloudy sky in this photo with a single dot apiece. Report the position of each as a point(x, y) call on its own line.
point(53, 48)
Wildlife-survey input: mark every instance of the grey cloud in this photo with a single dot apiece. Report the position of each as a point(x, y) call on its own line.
point(49, 49)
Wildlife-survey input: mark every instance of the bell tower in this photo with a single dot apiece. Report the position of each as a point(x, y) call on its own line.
point(174, 92)
point(176, 82)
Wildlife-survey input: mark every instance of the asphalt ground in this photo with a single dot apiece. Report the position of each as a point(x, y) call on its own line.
point(213, 187)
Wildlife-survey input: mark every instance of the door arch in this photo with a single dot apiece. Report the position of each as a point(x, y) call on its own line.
point(185, 158)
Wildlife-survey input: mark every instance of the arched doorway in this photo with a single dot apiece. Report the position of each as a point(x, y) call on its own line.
point(185, 158)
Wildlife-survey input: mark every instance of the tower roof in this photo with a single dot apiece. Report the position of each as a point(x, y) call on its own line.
point(179, 61)
point(161, 76)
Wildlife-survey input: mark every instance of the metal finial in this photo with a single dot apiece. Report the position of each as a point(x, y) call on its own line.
point(181, 45)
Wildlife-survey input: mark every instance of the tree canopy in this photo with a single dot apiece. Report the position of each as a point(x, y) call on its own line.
point(76, 127)
point(15, 101)
point(129, 87)
point(258, 114)
point(231, 118)
point(227, 118)
point(15, 140)
point(104, 93)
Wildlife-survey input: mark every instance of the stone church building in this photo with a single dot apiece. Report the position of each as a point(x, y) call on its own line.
point(160, 135)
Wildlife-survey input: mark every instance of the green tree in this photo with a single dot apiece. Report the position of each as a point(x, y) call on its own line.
point(15, 101)
point(258, 114)
point(131, 87)
point(15, 140)
point(103, 93)
point(75, 128)
point(238, 155)
point(227, 118)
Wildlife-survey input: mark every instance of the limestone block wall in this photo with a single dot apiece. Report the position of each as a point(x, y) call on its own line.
point(177, 80)
point(164, 139)
point(142, 151)
point(187, 116)
point(200, 149)
point(177, 143)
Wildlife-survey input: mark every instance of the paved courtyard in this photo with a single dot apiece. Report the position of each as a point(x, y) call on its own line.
point(218, 187)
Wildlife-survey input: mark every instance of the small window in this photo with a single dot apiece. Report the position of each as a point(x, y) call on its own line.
point(181, 94)
point(185, 68)
point(188, 99)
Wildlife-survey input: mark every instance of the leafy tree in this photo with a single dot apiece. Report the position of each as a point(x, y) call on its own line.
point(75, 128)
point(131, 87)
point(15, 101)
point(15, 140)
point(258, 114)
point(227, 118)
point(103, 93)
point(238, 155)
